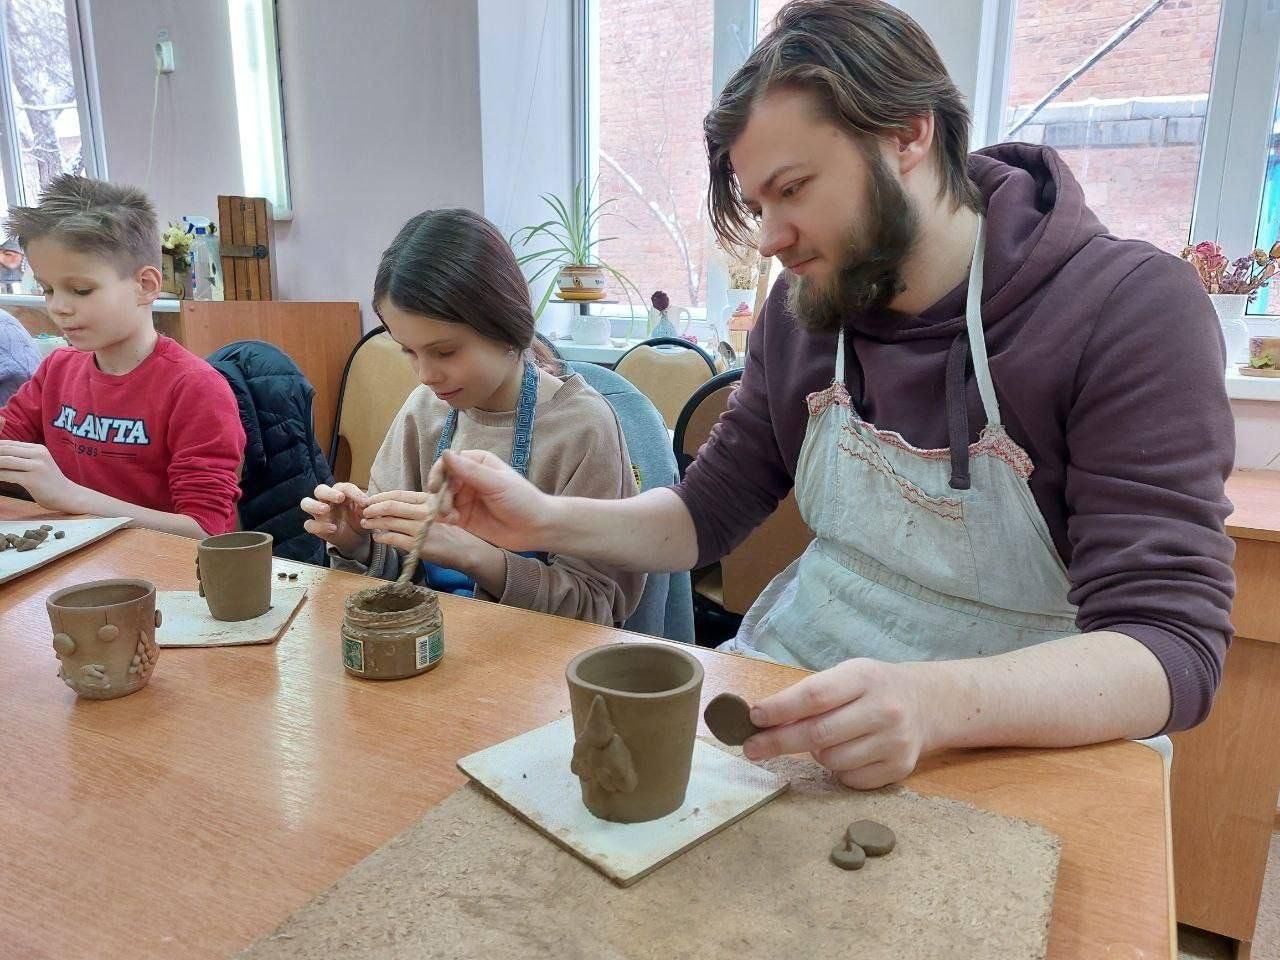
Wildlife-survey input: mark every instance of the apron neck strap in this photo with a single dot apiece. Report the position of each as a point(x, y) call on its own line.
point(522, 443)
point(973, 324)
point(969, 345)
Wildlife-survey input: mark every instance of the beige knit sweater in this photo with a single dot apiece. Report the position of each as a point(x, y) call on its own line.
point(578, 450)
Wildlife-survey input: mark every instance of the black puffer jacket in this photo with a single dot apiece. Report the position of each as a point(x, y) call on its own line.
point(282, 461)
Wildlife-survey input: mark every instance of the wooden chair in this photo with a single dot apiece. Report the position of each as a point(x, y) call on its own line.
point(667, 370)
point(746, 570)
point(375, 384)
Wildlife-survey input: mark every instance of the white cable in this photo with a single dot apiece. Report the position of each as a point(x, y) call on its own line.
point(151, 146)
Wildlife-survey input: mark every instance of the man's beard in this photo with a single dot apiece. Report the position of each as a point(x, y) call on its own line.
point(871, 273)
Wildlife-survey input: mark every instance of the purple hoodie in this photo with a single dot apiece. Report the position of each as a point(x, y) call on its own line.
point(1107, 361)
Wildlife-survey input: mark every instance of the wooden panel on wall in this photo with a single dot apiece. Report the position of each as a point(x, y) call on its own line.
point(319, 336)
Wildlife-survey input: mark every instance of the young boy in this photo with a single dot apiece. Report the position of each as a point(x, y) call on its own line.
point(127, 423)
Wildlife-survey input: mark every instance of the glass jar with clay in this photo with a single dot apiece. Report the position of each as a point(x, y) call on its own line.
point(392, 632)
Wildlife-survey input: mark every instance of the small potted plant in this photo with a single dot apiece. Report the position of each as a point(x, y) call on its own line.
point(568, 251)
point(1231, 284)
point(175, 258)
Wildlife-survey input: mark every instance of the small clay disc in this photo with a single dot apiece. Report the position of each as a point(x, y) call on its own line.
point(848, 857)
point(59, 534)
point(281, 575)
point(874, 838)
point(46, 526)
point(293, 576)
point(729, 718)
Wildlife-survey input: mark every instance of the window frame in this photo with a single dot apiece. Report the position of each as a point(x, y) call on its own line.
point(84, 73)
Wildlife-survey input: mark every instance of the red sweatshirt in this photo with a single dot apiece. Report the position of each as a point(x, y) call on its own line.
point(165, 436)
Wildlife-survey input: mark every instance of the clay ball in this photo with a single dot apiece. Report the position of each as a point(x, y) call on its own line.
point(108, 632)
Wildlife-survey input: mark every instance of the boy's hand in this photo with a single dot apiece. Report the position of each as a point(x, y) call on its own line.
point(31, 466)
point(335, 518)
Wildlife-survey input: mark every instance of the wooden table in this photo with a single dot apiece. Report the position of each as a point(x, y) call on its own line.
point(1226, 772)
point(190, 818)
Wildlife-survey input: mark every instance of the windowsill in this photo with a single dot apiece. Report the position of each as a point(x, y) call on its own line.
point(1240, 387)
point(162, 305)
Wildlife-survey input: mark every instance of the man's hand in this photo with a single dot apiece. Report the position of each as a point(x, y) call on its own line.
point(395, 517)
point(864, 720)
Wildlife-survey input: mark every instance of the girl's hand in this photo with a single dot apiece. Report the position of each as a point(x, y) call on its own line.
point(335, 518)
point(396, 516)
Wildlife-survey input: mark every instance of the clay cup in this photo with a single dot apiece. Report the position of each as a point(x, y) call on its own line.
point(104, 635)
point(234, 570)
point(635, 715)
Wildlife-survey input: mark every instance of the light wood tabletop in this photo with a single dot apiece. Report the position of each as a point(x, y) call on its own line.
point(190, 818)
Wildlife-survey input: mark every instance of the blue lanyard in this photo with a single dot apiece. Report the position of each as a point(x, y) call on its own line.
point(523, 442)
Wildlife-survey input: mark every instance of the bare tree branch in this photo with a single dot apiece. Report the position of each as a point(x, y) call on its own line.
point(669, 222)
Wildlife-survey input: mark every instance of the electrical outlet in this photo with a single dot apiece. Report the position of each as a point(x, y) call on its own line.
point(164, 53)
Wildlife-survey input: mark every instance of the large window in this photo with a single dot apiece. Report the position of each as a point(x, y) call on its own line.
point(1269, 220)
point(1166, 111)
point(1120, 88)
point(653, 67)
point(654, 86)
point(44, 113)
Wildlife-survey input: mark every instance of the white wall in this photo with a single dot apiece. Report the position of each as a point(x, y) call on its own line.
point(527, 115)
point(197, 141)
point(382, 115)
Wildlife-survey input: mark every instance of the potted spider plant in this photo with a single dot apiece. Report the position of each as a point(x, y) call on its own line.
point(567, 251)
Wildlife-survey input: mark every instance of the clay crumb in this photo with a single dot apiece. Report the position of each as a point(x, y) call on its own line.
point(59, 534)
point(848, 856)
point(281, 575)
point(46, 526)
point(24, 544)
point(293, 576)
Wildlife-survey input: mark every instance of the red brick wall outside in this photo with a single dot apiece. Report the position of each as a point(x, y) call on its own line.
point(1171, 53)
point(655, 87)
point(1139, 172)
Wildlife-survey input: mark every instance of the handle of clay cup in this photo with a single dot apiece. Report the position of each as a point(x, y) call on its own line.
point(199, 582)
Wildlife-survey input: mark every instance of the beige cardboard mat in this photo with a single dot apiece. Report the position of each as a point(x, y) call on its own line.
point(472, 881)
point(530, 775)
point(187, 622)
point(77, 533)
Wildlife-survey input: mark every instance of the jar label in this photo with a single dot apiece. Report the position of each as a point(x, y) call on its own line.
point(430, 649)
point(353, 654)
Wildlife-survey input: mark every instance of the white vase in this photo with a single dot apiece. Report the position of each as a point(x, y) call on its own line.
point(1230, 308)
